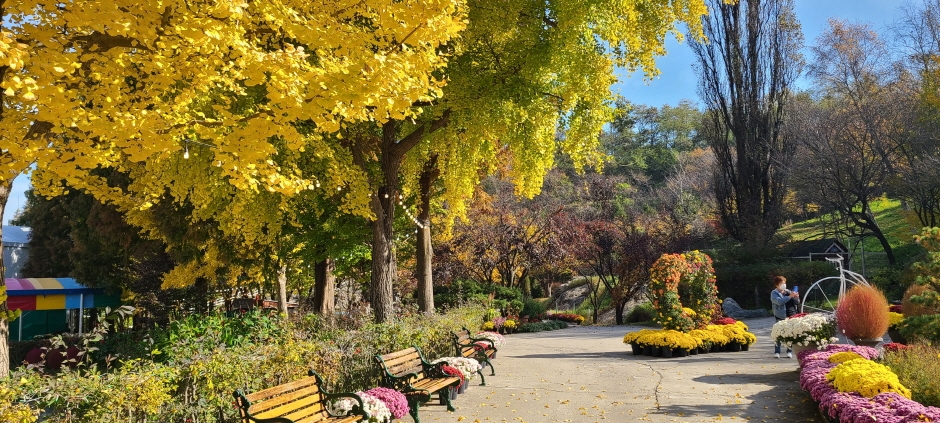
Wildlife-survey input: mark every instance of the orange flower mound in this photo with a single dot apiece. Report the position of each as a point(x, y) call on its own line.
point(863, 313)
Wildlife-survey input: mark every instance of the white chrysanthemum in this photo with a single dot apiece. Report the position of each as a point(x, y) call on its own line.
point(468, 366)
point(378, 411)
point(814, 328)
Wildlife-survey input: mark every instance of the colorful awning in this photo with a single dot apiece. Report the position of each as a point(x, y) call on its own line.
point(49, 294)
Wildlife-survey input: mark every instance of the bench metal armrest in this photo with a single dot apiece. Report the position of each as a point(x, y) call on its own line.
point(489, 341)
point(399, 383)
point(358, 408)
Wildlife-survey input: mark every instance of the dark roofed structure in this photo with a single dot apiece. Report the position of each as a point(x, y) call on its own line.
point(820, 249)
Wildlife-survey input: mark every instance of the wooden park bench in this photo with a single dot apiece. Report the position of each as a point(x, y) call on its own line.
point(466, 345)
point(407, 372)
point(300, 401)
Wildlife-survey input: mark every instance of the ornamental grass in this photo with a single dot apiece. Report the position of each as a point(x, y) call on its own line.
point(863, 313)
point(916, 367)
point(910, 309)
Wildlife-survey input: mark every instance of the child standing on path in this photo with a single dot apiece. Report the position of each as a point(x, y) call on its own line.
point(785, 302)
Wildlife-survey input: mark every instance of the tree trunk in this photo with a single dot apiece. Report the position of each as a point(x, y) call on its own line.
point(384, 266)
point(619, 312)
point(5, 188)
point(324, 296)
point(424, 252)
point(391, 155)
point(282, 289)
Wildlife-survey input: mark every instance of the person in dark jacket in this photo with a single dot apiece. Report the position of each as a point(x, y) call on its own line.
point(785, 303)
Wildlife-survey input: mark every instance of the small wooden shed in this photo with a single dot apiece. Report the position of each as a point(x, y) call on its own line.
point(821, 249)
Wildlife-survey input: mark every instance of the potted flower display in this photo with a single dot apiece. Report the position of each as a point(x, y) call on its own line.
point(862, 315)
point(453, 371)
point(739, 339)
point(805, 331)
point(895, 322)
point(468, 367)
point(382, 404)
point(497, 340)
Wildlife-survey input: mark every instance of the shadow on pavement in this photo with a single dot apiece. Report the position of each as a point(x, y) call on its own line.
point(783, 400)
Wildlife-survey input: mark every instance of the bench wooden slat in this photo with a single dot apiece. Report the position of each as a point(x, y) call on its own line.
point(301, 407)
point(301, 401)
point(313, 410)
point(403, 359)
point(407, 368)
point(348, 419)
point(284, 398)
point(432, 385)
point(290, 386)
point(391, 356)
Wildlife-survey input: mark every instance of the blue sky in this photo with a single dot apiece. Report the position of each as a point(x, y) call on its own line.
point(678, 80)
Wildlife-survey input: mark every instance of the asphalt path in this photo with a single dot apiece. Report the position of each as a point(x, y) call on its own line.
point(587, 374)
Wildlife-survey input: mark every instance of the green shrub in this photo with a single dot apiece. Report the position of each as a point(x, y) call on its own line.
point(533, 308)
point(514, 307)
point(642, 312)
point(890, 280)
point(462, 291)
point(917, 369)
point(137, 391)
point(541, 326)
point(192, 381)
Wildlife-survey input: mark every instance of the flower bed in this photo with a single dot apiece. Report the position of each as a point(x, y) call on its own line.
point(827, 371)
point(805, 330)
point(731, 337)
point(724, 321)
point(566, 317)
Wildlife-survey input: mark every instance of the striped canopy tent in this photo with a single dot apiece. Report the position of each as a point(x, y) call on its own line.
point(45, 302)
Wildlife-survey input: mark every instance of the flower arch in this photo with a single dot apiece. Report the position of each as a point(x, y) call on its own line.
point(694, 274)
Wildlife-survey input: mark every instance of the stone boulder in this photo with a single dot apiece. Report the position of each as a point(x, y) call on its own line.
point(732, 309)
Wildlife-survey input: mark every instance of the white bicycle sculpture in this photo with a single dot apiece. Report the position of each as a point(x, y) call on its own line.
point(819, 293)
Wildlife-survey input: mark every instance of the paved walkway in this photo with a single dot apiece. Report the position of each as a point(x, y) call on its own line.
point(587, 374)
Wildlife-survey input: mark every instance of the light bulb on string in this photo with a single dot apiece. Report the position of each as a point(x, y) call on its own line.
point(186, 152)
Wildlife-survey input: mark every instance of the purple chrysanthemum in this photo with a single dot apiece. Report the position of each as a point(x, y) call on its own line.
point(395, 401)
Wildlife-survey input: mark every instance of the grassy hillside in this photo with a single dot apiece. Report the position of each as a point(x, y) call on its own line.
point(898, 225)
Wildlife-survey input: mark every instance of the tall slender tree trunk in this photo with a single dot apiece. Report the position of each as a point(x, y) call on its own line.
point(384, 265)
point(425, 254)
point(391, 155)
point(324, 296)
point(5, 187)
point(282, 289)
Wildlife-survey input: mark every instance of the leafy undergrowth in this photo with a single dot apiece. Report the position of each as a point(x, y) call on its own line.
point(917, 369)
point(189, 371)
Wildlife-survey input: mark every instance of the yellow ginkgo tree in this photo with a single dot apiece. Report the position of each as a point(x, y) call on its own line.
point(129, 84)
point(528, 79)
